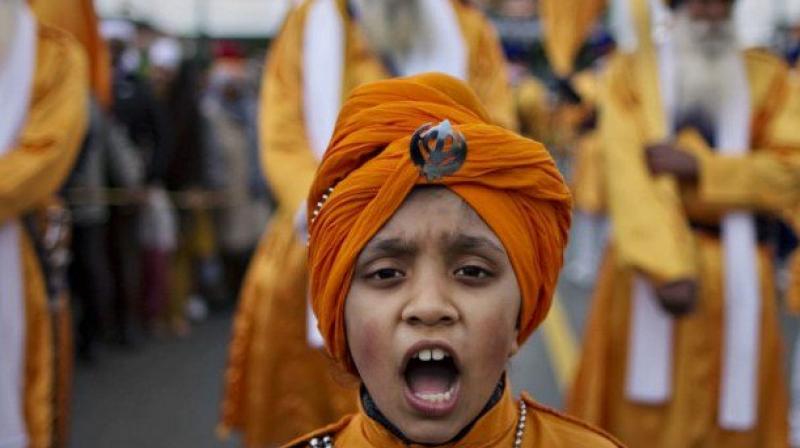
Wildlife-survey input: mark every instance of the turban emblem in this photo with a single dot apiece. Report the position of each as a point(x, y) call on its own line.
point(438, 150)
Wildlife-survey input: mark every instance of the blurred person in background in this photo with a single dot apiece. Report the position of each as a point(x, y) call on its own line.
point(279, 383)
point(696, 168)
point(165, 280)
point(44, 84)
point(135, 108)
point(107, 159)
point(229, 106)
point(192, 173)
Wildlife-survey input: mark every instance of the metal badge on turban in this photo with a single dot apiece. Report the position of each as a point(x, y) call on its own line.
point(438, 150)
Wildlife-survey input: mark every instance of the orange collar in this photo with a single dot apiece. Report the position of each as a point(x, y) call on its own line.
point(491, 430)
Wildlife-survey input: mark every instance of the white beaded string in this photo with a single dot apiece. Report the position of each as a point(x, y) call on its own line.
point(327, 441)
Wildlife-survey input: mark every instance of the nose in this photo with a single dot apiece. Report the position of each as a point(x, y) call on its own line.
point(430, 303)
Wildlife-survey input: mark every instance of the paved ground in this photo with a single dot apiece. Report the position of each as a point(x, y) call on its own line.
point(164, 394)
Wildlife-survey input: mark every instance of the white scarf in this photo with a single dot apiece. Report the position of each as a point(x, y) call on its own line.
point(650, 364)
point(323, 71)
point(16, 76)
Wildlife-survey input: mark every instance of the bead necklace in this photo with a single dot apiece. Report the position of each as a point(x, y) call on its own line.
point(327, 441)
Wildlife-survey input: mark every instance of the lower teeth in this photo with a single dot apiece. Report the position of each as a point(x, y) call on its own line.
point(437, 398)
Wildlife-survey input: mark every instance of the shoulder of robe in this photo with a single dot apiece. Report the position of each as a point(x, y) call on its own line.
point(578, 433)
point(59, 56)
point(54, 42)
point(767, 74)
point(330, 430)
point(474, 23)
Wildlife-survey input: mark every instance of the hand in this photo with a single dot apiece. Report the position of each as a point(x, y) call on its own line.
point(666, 158)
point(679, 297)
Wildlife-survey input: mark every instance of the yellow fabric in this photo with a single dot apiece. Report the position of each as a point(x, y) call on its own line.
point(487, 66)
point(39, 366)
point(631, 117)
point(270, 366)
point(567, 24)
point(588, 183)
point(55, 126)
point(650, 235)
point(78, 18)
point(690, 417)
point(29, 174)
point(533, 109)
point(544, 428)
point(785, 124)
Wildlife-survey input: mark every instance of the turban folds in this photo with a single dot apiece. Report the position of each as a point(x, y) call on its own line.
point(510, 181)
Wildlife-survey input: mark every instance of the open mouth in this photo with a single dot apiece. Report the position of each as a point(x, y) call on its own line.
point(432, 380)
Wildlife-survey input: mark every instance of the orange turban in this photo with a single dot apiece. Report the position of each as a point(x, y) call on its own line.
point(510, 181)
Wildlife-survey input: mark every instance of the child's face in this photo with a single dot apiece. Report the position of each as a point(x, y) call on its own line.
point(434, 281)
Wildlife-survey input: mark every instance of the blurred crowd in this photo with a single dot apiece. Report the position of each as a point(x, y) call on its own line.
point(166, 197)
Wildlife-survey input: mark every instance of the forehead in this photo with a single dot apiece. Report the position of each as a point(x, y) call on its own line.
point(432, 213)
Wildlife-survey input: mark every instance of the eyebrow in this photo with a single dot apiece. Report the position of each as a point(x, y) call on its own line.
point(459, 243)
point(389, 247)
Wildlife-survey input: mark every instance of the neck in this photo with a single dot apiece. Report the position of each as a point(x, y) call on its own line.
point(374, 413)
point(392, 27)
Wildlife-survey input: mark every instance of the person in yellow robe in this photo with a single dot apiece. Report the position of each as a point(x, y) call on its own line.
point(682, 346)
point(435, 242)
point(78, 18)
point(279, 383)
point(44, 86)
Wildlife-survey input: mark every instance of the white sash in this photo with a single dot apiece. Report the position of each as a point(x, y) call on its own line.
point(649, 375)
point(650, 364)
point(16, 76)
point(742, 326)
point(323, 73)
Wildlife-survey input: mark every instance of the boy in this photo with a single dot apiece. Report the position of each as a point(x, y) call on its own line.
point(435, 244)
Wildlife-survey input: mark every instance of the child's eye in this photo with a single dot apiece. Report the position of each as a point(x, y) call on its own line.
point(385, 274)
point(472, 272)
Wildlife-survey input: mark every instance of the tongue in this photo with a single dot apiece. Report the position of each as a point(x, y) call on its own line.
point(429, 379)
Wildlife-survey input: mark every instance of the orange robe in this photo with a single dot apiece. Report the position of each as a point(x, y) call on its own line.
point(276, 386)
point(651, 236)
point(78, 17)
point(29, 174)
point(544, 428)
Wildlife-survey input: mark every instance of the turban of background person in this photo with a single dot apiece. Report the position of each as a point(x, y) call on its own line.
point(78, 18)
point(510, 181)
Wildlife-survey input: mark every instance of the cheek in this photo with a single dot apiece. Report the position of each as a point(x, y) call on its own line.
point(368, 331)
point(498, 333)
point(365, 343)
point(495, 331)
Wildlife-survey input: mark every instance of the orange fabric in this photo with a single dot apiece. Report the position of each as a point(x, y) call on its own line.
point(544, 427)
point(78, 17)
point(510, 181)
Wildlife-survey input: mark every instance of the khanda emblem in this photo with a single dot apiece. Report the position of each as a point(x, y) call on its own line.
point(438, 150)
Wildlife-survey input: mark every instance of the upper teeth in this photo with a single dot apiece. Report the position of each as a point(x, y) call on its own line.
point(428, 354)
